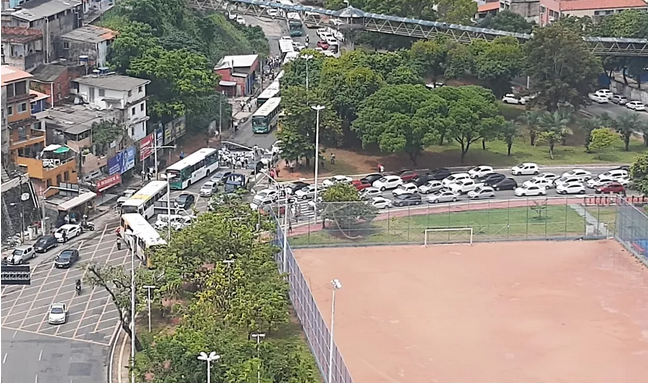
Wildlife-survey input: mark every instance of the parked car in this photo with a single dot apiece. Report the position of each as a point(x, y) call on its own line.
point(371, 178)
point(481, 192)
point(636, 106)
point(178, 222)
point(430, 187)
point(581, 174)
point(336, 180)
point(208, 189)
point(185, 201)
point(67, 232)
point(305, 193)
point(543, 182)
point(57, 313)
point(605, 93)
point(549, 176)
point(295, 186)
point(439, 174)
point(619, 99)
point(360, 185)
point(596, 182)
point(566, 180)
point(240, 20)
point(490, 179)
point(443, 196)
point(45, 243)
point(505, 184)
point(454, 178)
point(406, 175)
point(66, 258)
point(407, 200)
point(598, 98)
point(571, 188)
point(370, 192)
point(408, 188)
point(380, 202)
point(265, 196)
point(388, 182)
point(463, 186)
point(526, 168)
point(510, 98)
point(220, 176)
point(613, 174)
point(323, 44)
point(531, 190)
point(611, 188)
point(21, 254)
point(481, 171)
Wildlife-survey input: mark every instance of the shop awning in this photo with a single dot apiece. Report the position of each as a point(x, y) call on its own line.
point(226, 83)
point(76, 201)
point(62, 149)
point(51, 148)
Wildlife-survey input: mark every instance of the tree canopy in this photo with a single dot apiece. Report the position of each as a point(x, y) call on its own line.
point(506, 21)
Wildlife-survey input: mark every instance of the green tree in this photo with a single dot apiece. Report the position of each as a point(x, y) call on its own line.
point(639, 174)
point(509, 132)
point(460, 61)
point(554, 126)
point(401, 118)
point(588, 125)
point(345, 209)
point(132, 41)
point(531, 118)
point(404, 75)
point(506, 21)
point(561, 67)
point(295, 71)
point(457, 11)
point(625, 125)
point(430, 55)
point(499, 63)
point(601, 139)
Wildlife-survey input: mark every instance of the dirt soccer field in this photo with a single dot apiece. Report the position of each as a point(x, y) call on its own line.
point(523, 312)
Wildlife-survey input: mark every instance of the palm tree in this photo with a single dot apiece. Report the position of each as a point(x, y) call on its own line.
point(553, 128)
point(509, 131)
point(625, 125)
point(531, 118)
point(589, 124)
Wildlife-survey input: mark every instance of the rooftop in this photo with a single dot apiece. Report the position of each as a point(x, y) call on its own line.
point(581, 5)
point(20, 34)
point(75, 119)
point(9, 74)
point(38, 9)
point(90, 34)
point(48, 72)
point(112, 81)
point(492, 6)
point(240, 61)
point(36, 96)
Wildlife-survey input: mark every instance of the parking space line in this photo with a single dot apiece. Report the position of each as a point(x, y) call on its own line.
point(13, 305)
point(57, 292)
point(109, 301)
point(54, 336)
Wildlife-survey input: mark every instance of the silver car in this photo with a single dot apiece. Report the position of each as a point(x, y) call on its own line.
point(57, 313)
point(443, 196)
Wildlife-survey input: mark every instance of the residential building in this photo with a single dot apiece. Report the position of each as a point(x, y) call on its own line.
point(486, 9)
point(113, 91)
point(7, 4)
point(55, 78)
point(5, 127)
point(52, 17)
point(88, 43)
point(38, 102)
point(22, 47)
point(238, 74)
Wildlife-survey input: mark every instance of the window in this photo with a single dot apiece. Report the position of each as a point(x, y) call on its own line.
point(66, 176)
point(49, 183)
point(66, 45)
point(58, 179)
point(9, 109)
point(22, 107)
point(21, 88)
point(22, 133)
point(102, 93)
point(132, 132)
point(10, 91)
point(130, 93)
point(132, 111)
point(140, 89)
point(142, 107)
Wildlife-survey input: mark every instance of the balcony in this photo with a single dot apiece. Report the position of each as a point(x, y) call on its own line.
point(20, 141)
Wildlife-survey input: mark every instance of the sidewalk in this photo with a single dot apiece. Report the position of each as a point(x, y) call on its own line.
point(120, 359)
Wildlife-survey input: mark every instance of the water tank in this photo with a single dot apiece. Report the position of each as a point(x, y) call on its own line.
point(83, 60)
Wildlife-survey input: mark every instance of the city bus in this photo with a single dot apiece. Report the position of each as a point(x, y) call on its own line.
point(140, 236)
point(265, 118)
point(143, 201)
point(192, 168)
point(286, 46)
point(294, 24)
point(271, 91)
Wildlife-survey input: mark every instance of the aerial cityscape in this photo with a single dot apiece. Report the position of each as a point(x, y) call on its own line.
point(338, 191)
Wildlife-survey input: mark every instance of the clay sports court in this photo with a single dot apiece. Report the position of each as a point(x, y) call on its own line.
point(524, 312)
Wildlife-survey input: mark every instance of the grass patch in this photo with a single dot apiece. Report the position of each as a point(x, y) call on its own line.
point(604, 214)
point(492, 224)
point(510, 112)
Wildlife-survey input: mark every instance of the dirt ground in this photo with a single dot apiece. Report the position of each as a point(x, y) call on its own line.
point(532, 312)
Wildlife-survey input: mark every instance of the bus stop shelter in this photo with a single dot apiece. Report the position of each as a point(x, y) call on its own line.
point(77, 207)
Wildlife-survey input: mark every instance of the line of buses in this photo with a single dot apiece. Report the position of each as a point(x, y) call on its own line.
point(140, 207)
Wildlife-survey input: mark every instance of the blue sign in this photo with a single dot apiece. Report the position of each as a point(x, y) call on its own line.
point(115, 164)
point(159, 133)
point(128, 159)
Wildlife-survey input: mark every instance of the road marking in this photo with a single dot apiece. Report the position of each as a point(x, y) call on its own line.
point(109, 300)
point(15, 332)
point(56, 336)
point(44, 320)
point(36, 379)
point(4, 359)
point(14, 304)
point(40, 356)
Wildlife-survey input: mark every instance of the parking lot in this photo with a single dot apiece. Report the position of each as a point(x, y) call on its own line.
point(92, 316)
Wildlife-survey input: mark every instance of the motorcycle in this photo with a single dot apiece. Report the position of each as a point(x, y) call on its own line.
point(87, 225)
point(78, 289)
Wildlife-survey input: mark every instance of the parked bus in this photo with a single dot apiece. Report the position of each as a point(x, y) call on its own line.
point(294, 24)
point(143, 201)
point(265, 118)
point(140, 236)
point(286, 46)
point(271, 91)
point(193, 168)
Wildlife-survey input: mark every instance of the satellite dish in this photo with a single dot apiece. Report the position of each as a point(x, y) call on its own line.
point(24, 196)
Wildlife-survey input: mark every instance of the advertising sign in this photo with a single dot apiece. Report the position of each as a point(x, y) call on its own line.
point(180, 127)
point(146, 146)
point(114, 164)
point(159, 132)
point(128, 159)
point(108, 182)
point(168, 136)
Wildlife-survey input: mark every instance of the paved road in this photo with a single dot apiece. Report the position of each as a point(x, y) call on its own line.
point(613, 110)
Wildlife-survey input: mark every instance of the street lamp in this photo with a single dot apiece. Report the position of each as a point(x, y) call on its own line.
point(212, 357)
point(148, 302)
point(285, 223)
point(307, 58)
point(336, 285)
point(168, 179)
point(316, 108)
point(155, 149)
point(129, 234)
point(258, 338)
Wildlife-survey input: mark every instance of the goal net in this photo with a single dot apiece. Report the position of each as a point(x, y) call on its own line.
point(449, 236)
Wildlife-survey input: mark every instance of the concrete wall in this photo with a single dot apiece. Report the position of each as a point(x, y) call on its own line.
point(630, 92)
point(97, 53)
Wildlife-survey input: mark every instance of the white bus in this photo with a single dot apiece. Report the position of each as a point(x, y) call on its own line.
point(193, 168)
point(286, 46)
point(265, 118)
point(140, 236)
point(271, 91)
point(143, 201)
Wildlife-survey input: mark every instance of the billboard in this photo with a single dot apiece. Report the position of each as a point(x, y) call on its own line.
point(159, 132)
point(128, 159)
point(114, 164)
point(146, 146)
point(108, 182)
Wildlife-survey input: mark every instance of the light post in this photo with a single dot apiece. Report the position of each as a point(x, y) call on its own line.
point(316, 108)
point(336, 285)
point(258, 338)
point(220, 115)
point(148, 303)
point(131, 247)
point(168, 179)
point(155, 149)
point(285, 223)
point(212, 357)
point(307, 58)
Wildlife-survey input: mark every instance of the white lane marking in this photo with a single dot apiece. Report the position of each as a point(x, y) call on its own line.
point(40, 356)
point(4, 359)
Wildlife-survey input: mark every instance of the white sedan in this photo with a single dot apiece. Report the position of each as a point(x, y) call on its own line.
point(543, 182)
point(481, 171)
point(443, 196)
point(531, 190)
point(454, 178)
point(597, 182)
point(305, 193)
point(387, 182)
point(370, 192)
point(207, 189)
point(380, 202)
point(481, 192)
point(635, 105)
point(571, 188)
point(510, 98)
point(430, 187)
point(67, 232)
point(57, 313)
point(265, 196)
point(613, 175)
point(547, 176)
point(336, 180)
point(526, 168)
point(579, 173)
point(409, 188)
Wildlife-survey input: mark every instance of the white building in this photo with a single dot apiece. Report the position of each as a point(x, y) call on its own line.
point(113, 91)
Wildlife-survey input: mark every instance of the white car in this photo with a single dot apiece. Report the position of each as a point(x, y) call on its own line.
point(581, 174)
point(57, 313)
point(619, 99)
point(481, 192)
point(272, 12)
point(336, 180)
point(510, 98)
point(604, 93)
point(67, 232)
point(625, 181)
point(462, 187)
point(613, 175)
point(240, 20)
point(635, 105)
point(265, 196)
point(571, 188)
point(321, 31)
point(178, 222)
point(306, 193)
point(370, 192)
point(548, 176)
point(387, 182)
point(430, 187)
point(531, 190)
point(598, 98)
point(380, 202)
point(207, 189)
point(298, 46)
point(566, 180)
point(526, 168)
point(481, 171)
point(276, 147)
point(596, 182)
point(409, 188)
point(335, 22)
point(454, 178)
point(443, 196)
point(543, 182)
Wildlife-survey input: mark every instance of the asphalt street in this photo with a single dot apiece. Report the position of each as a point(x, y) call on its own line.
point(74, 351)
point(613, 110)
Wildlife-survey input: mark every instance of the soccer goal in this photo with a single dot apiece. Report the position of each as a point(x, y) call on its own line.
point(449, 236)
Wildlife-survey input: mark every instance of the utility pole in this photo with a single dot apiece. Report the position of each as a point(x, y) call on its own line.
point(148, 296)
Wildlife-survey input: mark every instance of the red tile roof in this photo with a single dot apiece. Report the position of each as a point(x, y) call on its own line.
point(584, 5)
point(489, 7)
point(20, 34)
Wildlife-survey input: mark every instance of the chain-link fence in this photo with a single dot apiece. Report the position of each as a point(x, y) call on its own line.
point(632, 229)
point(349, 223)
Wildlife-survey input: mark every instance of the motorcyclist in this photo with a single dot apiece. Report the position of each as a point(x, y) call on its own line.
point(78, 285)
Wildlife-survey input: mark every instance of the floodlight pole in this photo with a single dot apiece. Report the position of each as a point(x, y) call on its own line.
point(317, 109)
point(336, 285)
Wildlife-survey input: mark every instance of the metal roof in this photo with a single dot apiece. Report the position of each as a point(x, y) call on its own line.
point(112, 81)
point(37, 9)
point(90, 34)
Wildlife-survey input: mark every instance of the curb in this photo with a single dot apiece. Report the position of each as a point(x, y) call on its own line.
point(111, 355)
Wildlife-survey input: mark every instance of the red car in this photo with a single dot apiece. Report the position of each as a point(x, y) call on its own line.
point(407, 175)
point(612, 187)
point(360, 185)
point(323, 44)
